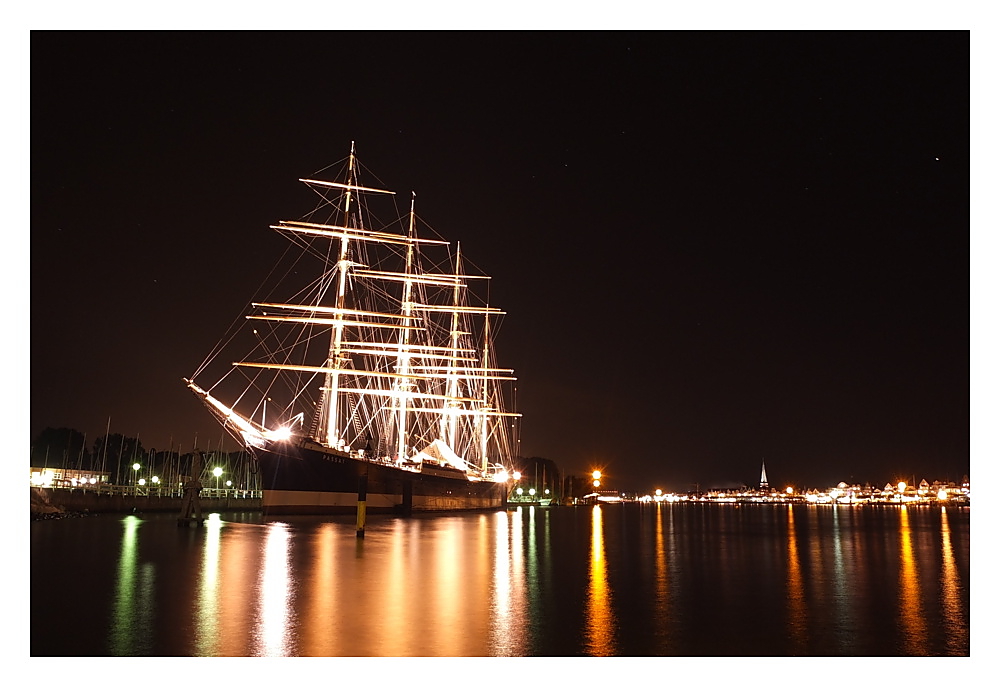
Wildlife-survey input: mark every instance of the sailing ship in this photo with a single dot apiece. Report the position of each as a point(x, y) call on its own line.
point(374, 376)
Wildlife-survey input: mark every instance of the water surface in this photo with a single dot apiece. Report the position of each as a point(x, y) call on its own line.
point(680, 579)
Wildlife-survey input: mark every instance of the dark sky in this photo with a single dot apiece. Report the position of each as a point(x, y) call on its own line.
point(715, 248)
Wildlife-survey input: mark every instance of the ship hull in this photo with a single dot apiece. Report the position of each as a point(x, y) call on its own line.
point(309, 479)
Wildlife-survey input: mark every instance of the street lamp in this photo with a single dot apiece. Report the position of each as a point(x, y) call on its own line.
point(135, 474)
point(218, 473)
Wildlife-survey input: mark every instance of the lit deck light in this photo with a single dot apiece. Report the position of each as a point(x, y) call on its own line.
point(501, 477)
point(280, 434)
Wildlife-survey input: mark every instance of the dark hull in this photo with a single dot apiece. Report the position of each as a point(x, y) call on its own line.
point(310, 479)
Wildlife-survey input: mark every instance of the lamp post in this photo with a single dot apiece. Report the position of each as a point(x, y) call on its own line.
point(135, 477)
point(218, 473)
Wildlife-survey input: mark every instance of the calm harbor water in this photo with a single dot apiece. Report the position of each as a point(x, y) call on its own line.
point(681, 579)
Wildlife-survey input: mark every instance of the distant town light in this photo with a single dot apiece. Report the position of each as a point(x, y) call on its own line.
point(597, 483)
point(597, 474)
point(789, 490)
point(901, 487)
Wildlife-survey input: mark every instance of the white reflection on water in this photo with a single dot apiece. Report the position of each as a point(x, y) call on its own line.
point(599, 628)
point(844, 619)
point(506, 633)
point(274, 636)
point(207, 610)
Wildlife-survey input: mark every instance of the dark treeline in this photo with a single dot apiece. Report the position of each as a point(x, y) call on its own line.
point(117, 454)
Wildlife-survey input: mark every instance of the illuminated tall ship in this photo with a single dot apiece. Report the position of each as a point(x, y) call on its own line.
point(370, 357)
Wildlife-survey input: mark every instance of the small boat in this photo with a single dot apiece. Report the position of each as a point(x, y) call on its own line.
point(369, 371)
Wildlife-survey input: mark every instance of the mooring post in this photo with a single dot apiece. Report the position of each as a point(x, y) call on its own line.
point(191, 505)
point(362, 499)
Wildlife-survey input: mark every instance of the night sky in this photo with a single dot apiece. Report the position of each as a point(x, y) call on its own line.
point(714, 248)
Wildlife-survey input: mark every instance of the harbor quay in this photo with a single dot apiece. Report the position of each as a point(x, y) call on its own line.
point(52, 501)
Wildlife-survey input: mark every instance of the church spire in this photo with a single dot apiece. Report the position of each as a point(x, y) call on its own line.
point(763, 476)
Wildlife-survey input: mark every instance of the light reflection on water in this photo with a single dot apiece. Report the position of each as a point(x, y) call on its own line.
point(606, 580)
point(600, 635)
point(207, 625)
point(134, 602)
point(274, 637)
point(797, 614)
point(955, 621)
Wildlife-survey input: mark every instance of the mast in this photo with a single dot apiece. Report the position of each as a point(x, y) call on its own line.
point(449, 420)
point(483, 420)
point(335, 358)
point(403, 357)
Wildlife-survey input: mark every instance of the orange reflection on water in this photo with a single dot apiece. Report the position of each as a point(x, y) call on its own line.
point(798, 621)
point(236, 598)
point(273, 637)
point(910, 611)
point(956, 627)
point(599, 629)
point(662, 577)
point(321, 609)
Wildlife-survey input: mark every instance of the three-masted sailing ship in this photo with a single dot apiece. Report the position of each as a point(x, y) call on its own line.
point(378, 364)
